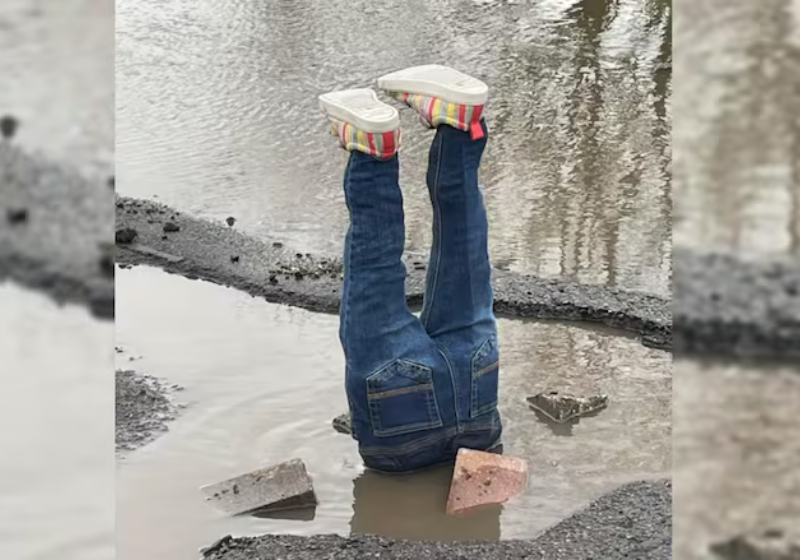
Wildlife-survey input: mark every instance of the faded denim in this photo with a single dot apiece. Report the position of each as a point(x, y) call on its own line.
point(419, 389)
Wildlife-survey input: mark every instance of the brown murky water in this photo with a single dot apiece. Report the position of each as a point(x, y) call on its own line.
point(57, 472)
point(255, 397)
point(217, 114)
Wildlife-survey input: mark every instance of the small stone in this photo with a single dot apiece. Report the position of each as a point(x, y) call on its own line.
point(483, 479)
point(230, 221)
point(298, 275)
point(235, 259)
point(277, 245)
point(164, 238)
point(273, 278)
point(125, 236)
point(299, 255)
point(278, 488)
point(8, 126)
point(171, 227)
point(342, 424)
point(562, 407)
point(17, 216)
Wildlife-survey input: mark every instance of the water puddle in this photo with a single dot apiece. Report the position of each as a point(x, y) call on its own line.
point(57, 473)
point(263, 382)
point(737, 453)
point(217, 115)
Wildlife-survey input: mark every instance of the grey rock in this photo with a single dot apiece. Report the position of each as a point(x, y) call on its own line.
point(342, 424)
point(230, 221)
point(125, 236)
point(560, 407)
point(171, 227)
point(282, 487)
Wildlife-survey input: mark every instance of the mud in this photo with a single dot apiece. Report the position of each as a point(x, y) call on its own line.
point(216, 253)
point(56, 229)
point(143, 409)
point(633, 521)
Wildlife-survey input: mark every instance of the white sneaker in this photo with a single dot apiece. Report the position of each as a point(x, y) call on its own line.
point(362, 122)
point(434, 80)
point(361, 108)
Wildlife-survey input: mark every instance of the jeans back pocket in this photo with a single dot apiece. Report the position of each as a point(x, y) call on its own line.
point(402, 399)
point(485, 376)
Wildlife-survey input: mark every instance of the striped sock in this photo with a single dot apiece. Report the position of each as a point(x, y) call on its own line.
point(434, 112)
point(381, 145)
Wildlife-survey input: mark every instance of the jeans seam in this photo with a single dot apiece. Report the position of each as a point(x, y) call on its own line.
point(438, 220)
point(453, 382)
point(349, 239)
point(474, 410)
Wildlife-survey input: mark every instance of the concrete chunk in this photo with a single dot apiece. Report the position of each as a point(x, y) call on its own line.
point(278, 488)
point(484, 479)
point(562, 407)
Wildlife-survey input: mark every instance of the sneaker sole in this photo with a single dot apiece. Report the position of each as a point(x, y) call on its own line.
point(434, 80)
point(361, 108)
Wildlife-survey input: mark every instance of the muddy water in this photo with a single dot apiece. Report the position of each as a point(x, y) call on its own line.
point(255, 396)
point(57, 471)
point(57, 77)
point(736, 453)
point(217, 115)
point(737, 141)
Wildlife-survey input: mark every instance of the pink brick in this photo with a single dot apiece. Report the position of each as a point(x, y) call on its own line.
point(483, 479)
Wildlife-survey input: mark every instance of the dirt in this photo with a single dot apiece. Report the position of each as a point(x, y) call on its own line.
point(143, 409)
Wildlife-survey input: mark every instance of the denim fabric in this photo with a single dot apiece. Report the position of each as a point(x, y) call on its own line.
point(419, 389)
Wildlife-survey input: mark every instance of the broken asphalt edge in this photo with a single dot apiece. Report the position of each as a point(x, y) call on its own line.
point(219, 254)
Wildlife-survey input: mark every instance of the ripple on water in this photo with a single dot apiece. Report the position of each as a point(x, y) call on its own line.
point(217, 115)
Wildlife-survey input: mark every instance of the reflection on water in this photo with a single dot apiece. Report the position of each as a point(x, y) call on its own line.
point(217, 115)
point(736, 453)
point(257, 397)
point(737, 157)
point(57, 77)
point(56, 412)
point(737, 171)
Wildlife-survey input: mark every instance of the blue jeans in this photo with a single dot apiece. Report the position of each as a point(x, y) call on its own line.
point(419, 389)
